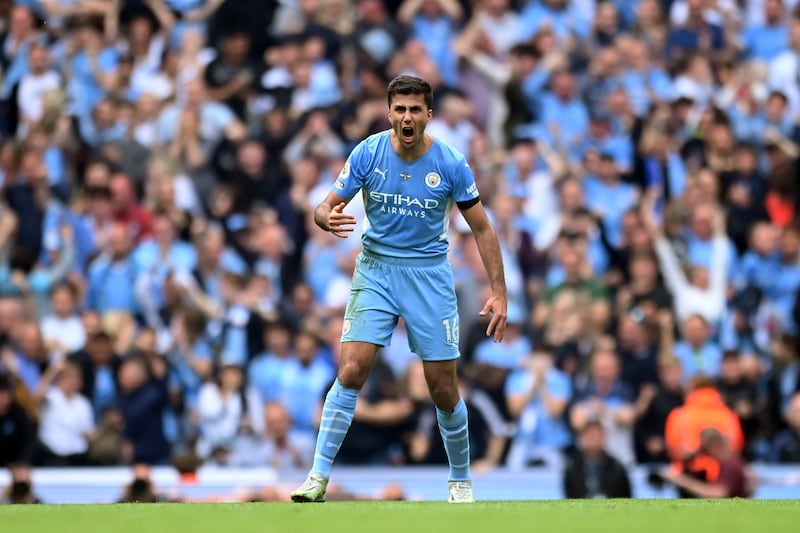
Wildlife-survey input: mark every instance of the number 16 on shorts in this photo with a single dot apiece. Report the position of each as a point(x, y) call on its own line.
point(451, 330)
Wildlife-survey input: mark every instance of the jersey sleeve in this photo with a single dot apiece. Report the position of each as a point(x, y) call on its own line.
point(464, 188)
point(351, 178)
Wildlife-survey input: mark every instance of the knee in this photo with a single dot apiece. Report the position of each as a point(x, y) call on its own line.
point(444, 393)
point(352, 374)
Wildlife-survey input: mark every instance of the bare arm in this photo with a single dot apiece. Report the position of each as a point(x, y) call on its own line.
point(202, 367)
point(235, 131)
point(110, 10)
point(8, 224)
point(452, 9)
point(489, 248)
point(203, 302)
point(719, 257)
point(667, 328)
point(698, 488)
point(408, 10)
point(204, 12)
point(46, 381)
point(625, 415)
point(230, 89)
point(328, 215)
point(165, 17)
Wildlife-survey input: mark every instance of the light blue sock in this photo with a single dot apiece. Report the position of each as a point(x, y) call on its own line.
point(455, 434)
point(337, 414)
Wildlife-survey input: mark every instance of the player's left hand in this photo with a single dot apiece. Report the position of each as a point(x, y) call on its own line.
point(497, 305)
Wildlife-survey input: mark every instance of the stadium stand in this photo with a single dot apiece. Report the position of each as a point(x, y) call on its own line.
point(165, 297)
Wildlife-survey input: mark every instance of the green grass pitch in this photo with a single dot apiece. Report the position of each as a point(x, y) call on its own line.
point(613, 516)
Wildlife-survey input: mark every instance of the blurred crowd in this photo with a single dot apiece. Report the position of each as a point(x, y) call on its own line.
point(165, 296)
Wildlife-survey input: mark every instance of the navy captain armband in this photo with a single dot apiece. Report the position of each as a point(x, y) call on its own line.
point(466, 204)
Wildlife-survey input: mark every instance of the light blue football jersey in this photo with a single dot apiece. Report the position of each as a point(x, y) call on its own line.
point(407, 204)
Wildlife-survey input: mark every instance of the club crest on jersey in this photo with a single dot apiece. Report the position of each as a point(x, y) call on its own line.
point(405, 176)
point(433, 180)
point(345, 173)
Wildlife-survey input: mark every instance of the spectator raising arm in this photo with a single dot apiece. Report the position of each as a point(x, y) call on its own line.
point(162, 13)
point(554, 407)
point(691, 298)
point(204, 12)
point(410, 8)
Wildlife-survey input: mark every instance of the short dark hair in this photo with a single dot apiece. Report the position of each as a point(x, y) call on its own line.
point(410, 85)
point(780, 95)
point(524, 49)
point(592, 423)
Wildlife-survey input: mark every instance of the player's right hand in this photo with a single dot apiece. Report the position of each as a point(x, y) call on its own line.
point(339, 223)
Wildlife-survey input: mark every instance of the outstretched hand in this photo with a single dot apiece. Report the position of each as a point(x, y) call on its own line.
point(339, 223)
point(497, 305)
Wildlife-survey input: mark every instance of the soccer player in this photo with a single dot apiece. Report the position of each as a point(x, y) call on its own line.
point(409, 182)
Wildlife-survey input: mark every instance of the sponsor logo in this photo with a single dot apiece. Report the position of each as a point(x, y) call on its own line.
point(403, 200)
point(381, 173)
point(346, 327)
point(338, 184)
point(433, 180)
point(345, 173)
point(400, 204)
point(472, 190)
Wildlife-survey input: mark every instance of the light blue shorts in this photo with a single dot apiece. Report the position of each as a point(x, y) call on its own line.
point(421, 291)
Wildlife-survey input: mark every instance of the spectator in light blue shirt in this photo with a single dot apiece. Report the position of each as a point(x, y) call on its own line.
point(31, 357)
point(610, 197)
point(759, 263)
point(230, 320)
point(192, 356)
point(214, 259)
point(266, 369)
point(765, 42)
point(90, 70)
point(689, 37)
point(567, 19)
point(155, 259)
point(604, 77)
point(700, 239)
point(215, 120)
point(434, 23)
point(513, 350)
point(785, 280)
point(601, 139)
point(14, 48)
point(644, 81)
point(564, 118)
point(577, 227)
point(537, 396)
point(698, 354)
point(753, 127)
point(55, 215)
point(303, 383)
point(101, 125)
point(191, 15)
point(113, 274)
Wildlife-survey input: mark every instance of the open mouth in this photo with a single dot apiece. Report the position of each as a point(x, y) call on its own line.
point(408, 133)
